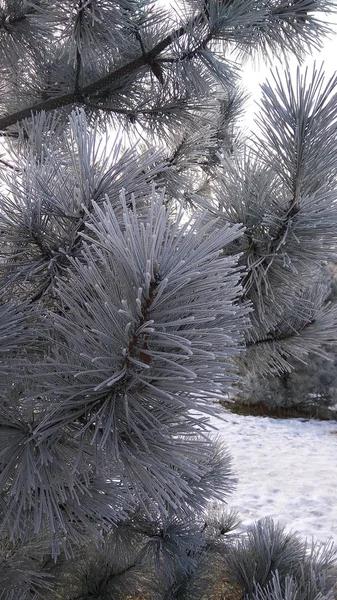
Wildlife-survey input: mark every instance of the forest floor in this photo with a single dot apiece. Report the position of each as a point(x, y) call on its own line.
point(287, 469)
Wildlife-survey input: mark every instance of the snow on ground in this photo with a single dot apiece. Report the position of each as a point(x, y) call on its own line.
point(287, 469)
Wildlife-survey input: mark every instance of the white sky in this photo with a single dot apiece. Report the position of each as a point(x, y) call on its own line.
point(253, 75)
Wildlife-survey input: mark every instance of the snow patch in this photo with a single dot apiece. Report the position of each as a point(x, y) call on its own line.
point(286, 470)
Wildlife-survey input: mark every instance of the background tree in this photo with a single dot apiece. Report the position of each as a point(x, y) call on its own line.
point(308, 388)
point(125, 275)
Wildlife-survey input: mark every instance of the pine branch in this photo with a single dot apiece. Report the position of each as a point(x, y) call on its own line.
point(276, 242)
point(99, 85)
point(278, 336)
point(78, 74)
point(109, 578)
point(191, 53)
point(285, 15)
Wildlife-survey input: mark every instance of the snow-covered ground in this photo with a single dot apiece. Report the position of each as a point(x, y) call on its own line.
point(287, 470)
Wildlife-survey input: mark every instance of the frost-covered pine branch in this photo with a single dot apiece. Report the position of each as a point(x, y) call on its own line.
point(133, 279)
point(282, 188)
point(135, 58)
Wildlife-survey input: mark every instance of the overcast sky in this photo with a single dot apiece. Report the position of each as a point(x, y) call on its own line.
point(254, 74)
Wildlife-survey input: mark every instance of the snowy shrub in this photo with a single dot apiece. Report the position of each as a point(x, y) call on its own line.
point(309, 589)
point(271, 564)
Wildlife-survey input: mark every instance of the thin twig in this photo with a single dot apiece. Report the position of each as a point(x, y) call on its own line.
point(8, 165)
point(269, 338)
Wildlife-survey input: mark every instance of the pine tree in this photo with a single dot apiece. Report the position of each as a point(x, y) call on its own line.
point(146, 247)
point(308, 388)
